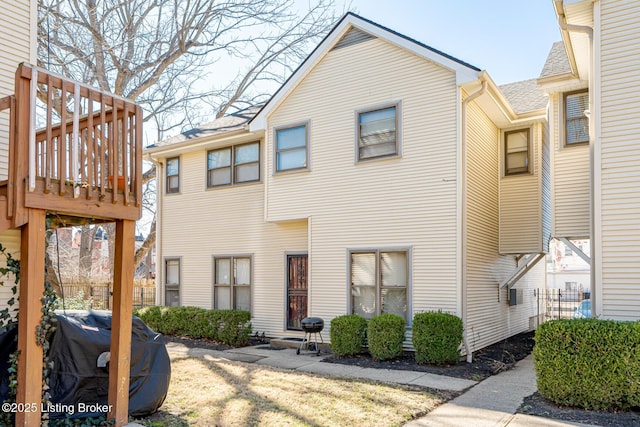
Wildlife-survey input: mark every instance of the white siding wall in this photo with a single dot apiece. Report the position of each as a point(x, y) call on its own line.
point(570, 180)
point(198, 224)
point(17, 44)
point(406, 202)
point(10, 239)
point(489, 320)
point(521, 201)
point(620, 159)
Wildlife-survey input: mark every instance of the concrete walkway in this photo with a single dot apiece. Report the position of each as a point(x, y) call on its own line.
point(492, 402)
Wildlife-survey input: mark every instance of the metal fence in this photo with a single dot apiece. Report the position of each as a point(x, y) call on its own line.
point(558, 303)
point(99, 297)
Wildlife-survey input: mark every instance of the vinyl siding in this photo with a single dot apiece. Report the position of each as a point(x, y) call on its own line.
point(546, 188)
point(198, 224)
point(489, 320)
point(620, 157)
point(10, 240)
point(521, 201)
point(407, 202)
point(570, 181)
point(17, 44)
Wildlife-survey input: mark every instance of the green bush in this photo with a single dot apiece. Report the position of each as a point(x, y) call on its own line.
point(437, 337)
point(385, 334)
point(347, 334)
point(589, 363)
point(231, 327)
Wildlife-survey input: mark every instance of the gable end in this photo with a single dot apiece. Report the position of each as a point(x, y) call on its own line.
point(353, 36)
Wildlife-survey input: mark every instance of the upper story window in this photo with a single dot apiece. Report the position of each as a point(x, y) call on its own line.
point(233, 165)
point(517, 148)
point(292, 148)
point(173, 175)
point(378, 133)
point(576, 123)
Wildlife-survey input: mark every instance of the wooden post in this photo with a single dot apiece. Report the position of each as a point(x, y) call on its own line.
point(32, 256)
point(119, 369)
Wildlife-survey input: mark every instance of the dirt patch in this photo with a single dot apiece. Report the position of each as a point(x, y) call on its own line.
point(210, 344)
point(486, 362)
point(539, 406)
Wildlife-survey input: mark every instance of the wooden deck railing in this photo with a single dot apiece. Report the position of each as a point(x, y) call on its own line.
point(77, 150)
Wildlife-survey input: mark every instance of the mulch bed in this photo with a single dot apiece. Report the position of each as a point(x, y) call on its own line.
point(538, 405)
point(486, 362)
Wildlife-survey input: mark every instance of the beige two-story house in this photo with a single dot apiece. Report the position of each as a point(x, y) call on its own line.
point(384, 176)
point(591, 78)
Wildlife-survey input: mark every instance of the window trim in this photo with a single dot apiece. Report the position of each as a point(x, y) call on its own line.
point(231, 285)
point(370, 109)
point(529, 152)
point(172, 287)
point(408, 250)
point(564, 119)
point(167, 189)
point(232, 166)
point(307, 125)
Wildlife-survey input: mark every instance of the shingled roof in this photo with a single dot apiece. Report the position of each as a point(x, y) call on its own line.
point(557, 62)
point(525, 96)
point(226, 124)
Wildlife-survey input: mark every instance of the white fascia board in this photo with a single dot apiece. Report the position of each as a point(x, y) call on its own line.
point(464, 74)
point(193, 145)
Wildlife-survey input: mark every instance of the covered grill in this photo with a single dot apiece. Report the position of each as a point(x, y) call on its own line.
point(312, 326)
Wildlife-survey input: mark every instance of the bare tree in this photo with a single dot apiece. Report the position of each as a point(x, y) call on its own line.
point(183, 61)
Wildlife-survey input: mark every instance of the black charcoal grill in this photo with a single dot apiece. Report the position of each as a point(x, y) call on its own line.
point(312, 326)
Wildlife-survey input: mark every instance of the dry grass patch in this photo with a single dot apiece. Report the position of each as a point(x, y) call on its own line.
point(215, 392)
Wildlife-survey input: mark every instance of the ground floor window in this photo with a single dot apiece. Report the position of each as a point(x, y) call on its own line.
point(232, 282)
point(172, 281)
point(379, 282)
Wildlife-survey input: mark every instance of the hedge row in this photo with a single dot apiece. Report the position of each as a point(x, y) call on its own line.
point(589, 363)
point(436, 336)
point(231, 327)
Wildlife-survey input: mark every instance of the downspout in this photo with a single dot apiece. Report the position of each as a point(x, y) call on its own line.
point(159, 265)
point(591, 115)
point(463, 208)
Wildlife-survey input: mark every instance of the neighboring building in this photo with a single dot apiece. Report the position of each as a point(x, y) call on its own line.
point(17, 44)
point(566, 270)
point(383, 176)
point(591, 78)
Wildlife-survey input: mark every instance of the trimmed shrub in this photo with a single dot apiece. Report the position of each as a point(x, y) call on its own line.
point(385, 334)
point(231, 327)
point(347, 334)
point(589, 363)
point(437, 337)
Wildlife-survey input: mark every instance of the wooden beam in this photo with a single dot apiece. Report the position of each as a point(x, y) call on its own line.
point(32, 254)
point(119, 369)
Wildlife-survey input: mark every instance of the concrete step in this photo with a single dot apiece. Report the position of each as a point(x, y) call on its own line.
point(295, 343)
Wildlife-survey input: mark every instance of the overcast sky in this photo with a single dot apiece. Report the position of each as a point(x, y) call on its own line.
point(508, 38)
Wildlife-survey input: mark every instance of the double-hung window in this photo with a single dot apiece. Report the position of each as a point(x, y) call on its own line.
point(377, 133)
point(232, 282)
point(576, 123)
point(172, 281)
point(379, 282)
point(291, 148)
point(517, 146)
point(233, 165)
point(173, 175)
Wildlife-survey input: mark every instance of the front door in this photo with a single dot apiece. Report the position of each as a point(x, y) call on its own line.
point(296, 291)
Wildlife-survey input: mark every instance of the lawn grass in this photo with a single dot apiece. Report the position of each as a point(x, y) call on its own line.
point(217, 392)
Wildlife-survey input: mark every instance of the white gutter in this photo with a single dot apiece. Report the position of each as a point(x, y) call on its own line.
point(463, 209)
point(593, 117)
point(159, 265)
